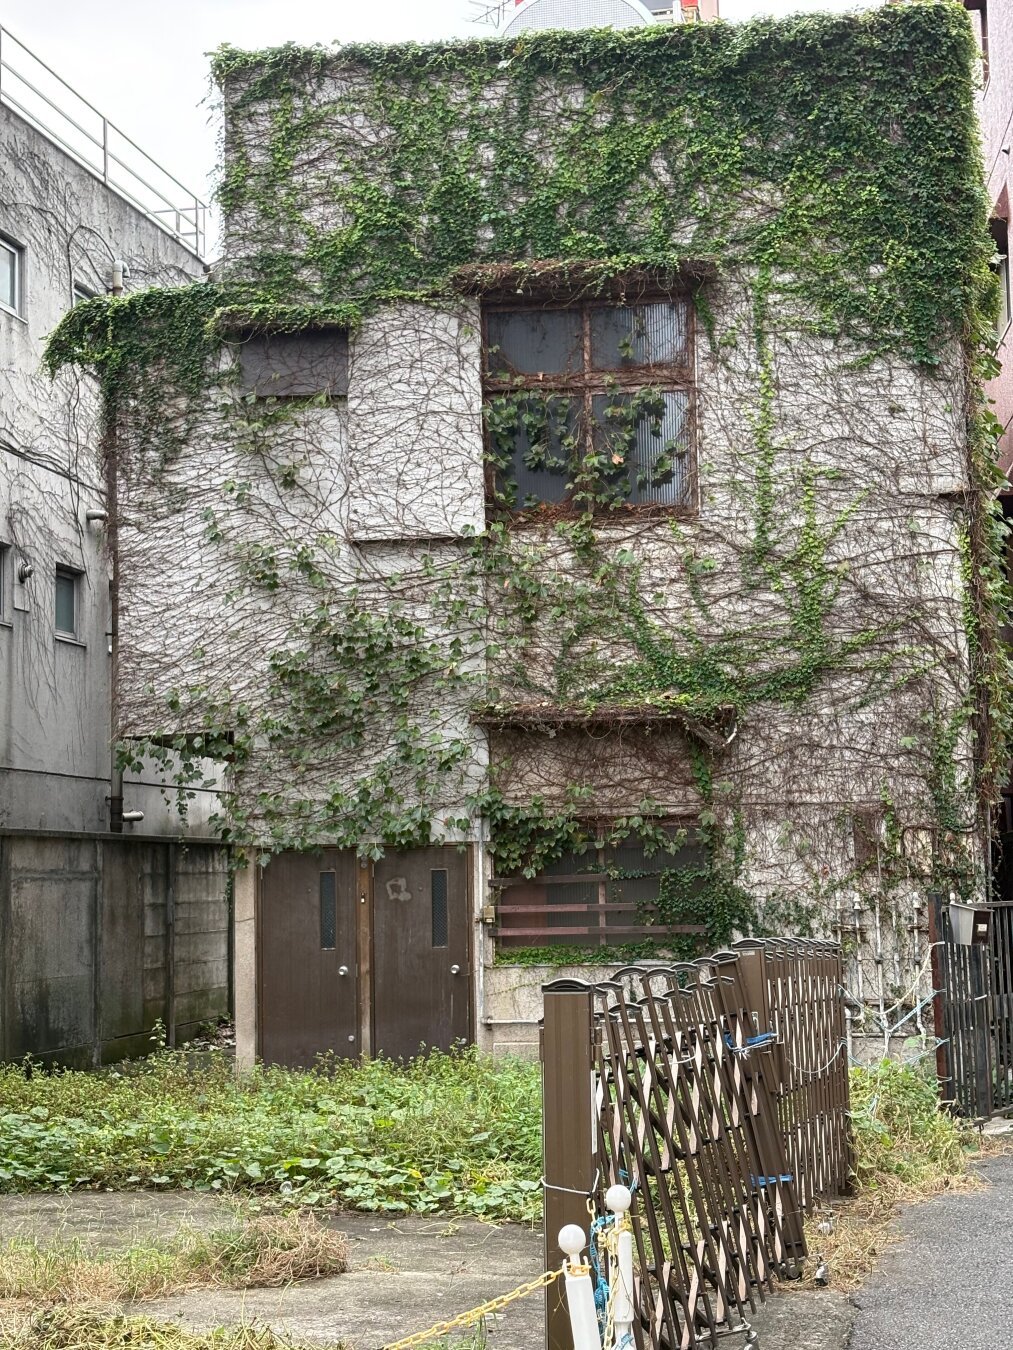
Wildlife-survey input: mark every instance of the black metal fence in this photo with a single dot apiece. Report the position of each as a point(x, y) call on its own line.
point(719, 1092)
point(974, 1013)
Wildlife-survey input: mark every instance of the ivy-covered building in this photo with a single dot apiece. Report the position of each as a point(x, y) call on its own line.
point(569, 512)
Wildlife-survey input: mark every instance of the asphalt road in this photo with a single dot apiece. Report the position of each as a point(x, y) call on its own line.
point(948, 1283)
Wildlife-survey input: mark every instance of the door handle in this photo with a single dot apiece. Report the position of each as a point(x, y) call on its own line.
point(455, 970)
point(342, 970)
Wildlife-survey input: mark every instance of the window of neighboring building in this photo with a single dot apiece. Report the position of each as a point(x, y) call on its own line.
point(12, 267)
point(614, 895)
point(978, 10)
point(67, 582)
point(5, 577)
point(295, 365)
point(1000, 264)
point(590, 403)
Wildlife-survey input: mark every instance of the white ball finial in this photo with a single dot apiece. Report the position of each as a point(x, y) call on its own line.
point(572, 1240)
point(618, 1199)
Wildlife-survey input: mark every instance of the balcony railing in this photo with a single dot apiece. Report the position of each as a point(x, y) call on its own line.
point(49, 104)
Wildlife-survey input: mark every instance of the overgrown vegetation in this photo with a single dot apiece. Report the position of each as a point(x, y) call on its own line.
point(68, 1329)
point(833, 202)
point(256, 1252)
point(906, 1149)
point(449, 1132)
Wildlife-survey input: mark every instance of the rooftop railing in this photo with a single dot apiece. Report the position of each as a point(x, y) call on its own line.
point(48, 103)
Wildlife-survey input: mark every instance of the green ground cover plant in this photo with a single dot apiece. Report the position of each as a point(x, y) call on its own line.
point(449, 1132)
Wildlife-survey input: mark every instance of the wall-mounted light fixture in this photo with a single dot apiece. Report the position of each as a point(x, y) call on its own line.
point(25, 570)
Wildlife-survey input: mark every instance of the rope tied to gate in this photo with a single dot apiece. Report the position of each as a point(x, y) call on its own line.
point(473, 1315)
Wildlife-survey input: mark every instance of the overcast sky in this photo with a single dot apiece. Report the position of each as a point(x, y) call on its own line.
point(144, 65)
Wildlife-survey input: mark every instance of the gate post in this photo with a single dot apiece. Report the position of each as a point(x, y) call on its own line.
point(568, 1132)
point(944, 1047)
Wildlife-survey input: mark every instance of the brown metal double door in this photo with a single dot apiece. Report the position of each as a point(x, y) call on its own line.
point(421, 951)
point(308, 1000)
point(339, 944)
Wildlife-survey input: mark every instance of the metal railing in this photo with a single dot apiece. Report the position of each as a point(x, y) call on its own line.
point(716, 1090)
point(49, 104)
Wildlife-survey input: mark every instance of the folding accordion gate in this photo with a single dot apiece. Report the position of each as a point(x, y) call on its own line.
point(718, 1091)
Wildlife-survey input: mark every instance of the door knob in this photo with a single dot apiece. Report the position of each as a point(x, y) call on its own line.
point(455, 970)
point(342, 970)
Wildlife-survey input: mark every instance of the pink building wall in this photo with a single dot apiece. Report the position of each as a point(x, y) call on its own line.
point(997, 133)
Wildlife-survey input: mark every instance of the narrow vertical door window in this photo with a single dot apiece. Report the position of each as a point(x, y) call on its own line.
point(438, 892)
point(328, 910)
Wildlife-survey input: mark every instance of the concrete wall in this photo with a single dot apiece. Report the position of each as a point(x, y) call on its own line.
point(90, 955)
point(100, 937)
point(54, 691)
point(996, 110)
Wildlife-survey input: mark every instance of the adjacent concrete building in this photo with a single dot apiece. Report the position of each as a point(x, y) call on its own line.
point(105, 925)
point(564, 514)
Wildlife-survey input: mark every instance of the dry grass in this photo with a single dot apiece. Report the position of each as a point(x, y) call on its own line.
point(91, 1329)
point(257, 1253)
point(907, 1150)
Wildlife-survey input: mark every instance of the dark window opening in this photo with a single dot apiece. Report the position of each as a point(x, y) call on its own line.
point(999, 230)
point(590, 404)
point(328, 910)
point(79, 293)
point(615, 895)
point(66, 601)
point(295, 365)
point(438, 892)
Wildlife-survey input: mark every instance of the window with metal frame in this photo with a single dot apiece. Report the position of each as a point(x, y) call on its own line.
point(310, 364)
point(5, 578)
point(12, 266)
point(66, 606)
point(79, 293)
point(999, 230)
point(590, 403)
point(979, 22)
point(605, 896)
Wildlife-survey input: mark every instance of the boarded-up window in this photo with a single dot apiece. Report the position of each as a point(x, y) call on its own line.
point(619, 894)
point(295, 365)
point(590, 403)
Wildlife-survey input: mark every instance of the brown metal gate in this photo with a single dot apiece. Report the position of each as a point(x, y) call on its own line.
point(719, 1090)
point(353, 956)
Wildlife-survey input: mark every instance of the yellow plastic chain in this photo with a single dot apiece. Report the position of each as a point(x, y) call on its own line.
point(476, 1314)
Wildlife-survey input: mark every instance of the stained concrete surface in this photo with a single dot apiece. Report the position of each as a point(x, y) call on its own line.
point(406, 1274)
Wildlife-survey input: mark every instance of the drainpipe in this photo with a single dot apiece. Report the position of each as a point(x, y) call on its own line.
point(109, 465)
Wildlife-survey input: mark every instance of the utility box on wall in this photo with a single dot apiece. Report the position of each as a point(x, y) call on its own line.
point(970, 925)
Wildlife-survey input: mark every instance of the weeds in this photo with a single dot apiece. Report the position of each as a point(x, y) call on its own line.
point(69, 1329)
point(906, 1149)
point(448, 1132)
point(261, 1252)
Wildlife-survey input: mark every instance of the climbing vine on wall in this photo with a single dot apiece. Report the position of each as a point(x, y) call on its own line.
point(822, 177)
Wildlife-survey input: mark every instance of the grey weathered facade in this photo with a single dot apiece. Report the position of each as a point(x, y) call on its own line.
point(773, 651)
point(105, 926)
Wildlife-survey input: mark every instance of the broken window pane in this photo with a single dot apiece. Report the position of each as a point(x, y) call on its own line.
point(295, 365)
point(646, 439)
point(626, 336)
point(534, 341)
